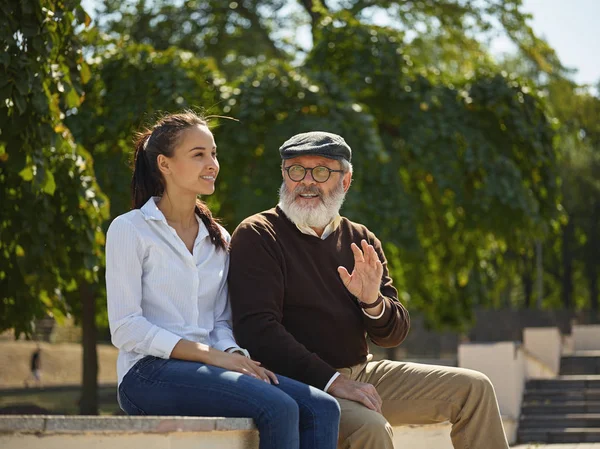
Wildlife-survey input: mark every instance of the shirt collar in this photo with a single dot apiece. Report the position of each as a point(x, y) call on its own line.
point(151, 212)
point(329, 229)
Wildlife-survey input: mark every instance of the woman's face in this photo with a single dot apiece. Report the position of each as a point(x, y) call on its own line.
point(194, 166)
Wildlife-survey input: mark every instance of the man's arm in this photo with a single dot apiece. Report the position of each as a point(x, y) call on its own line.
point(256, 288)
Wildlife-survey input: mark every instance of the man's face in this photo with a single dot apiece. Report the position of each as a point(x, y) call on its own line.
point(311, 203)
point(316, 190)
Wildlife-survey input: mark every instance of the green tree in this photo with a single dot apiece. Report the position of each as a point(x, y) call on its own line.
point(51, 242)
point(131, 85)
point(471, 164)
point(570, 251)
point(465, 150)
point(462, 146)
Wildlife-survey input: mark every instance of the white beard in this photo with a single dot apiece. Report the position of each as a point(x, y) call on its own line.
point(317, 215)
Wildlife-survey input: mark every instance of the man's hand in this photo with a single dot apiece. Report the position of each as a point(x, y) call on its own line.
point(365, 394)
point(365, 280)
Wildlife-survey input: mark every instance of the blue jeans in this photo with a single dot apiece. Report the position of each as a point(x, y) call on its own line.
point(290, 415)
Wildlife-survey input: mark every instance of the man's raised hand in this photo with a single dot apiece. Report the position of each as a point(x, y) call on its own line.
point(365, 280)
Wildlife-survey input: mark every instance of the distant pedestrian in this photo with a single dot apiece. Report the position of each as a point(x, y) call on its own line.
point(35, 375)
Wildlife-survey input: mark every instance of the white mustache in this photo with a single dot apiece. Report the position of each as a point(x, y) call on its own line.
point(312, 190)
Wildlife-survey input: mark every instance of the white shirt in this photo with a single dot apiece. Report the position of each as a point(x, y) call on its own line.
point(329, 229)
point(158, 292)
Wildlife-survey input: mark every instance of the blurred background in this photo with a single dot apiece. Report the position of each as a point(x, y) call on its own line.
point(474, 124)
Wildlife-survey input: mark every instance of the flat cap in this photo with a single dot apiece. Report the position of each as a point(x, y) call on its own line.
point(318, 143)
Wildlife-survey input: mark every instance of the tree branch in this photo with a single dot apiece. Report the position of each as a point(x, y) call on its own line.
point(255, 24)
point(315, 16)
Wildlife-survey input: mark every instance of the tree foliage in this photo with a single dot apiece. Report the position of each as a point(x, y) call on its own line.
point(456, 160)
point(52, 208)
point(455, 167)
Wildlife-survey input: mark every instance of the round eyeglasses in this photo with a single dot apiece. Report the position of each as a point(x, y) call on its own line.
point(320, 173)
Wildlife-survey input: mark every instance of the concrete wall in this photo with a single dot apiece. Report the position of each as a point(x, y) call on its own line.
point(504, 364)
point(586, 338)
point(545, 345)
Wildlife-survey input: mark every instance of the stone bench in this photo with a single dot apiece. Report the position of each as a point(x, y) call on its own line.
point(163, 432)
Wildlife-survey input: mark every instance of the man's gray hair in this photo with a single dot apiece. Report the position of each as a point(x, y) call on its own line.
point(346, 166)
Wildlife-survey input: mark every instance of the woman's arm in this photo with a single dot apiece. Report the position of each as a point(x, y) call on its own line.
point(199, 352)
point(129, 328)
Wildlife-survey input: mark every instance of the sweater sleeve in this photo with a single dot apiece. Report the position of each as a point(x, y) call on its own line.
point(392, 327)
point(256, 288)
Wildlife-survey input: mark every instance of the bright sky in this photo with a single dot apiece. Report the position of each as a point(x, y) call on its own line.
point(572, 28)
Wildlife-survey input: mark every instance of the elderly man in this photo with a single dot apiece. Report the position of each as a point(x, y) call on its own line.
point(308, 286)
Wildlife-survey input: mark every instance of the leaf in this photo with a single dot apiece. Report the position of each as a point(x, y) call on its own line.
point(27, 173)
point(20, 103)
point(85, 73)
point(72, 99)
point(49, 185)
point(22, 84)
point(5, 58)
point(19, 251)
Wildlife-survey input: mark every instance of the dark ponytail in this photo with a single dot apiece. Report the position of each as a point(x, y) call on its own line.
point(144, 183)
point(214, 232)
point(147, 180)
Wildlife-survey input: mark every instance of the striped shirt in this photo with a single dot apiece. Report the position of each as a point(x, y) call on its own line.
point(158, 292)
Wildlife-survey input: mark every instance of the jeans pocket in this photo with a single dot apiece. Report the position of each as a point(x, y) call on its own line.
point(141, 363)
point(149, 369)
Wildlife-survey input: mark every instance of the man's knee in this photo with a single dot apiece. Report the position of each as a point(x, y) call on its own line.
point(368, 425)
point(476, 382)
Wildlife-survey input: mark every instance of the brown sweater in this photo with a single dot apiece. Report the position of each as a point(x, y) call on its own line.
point(290, 307)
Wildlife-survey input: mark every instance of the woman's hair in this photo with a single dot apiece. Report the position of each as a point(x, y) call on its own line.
point(147, 180)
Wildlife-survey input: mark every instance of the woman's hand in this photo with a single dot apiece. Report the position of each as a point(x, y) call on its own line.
point(241, 364)
point(200, 352)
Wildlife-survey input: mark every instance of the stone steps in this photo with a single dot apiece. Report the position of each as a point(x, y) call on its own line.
point(582, 362)
point(565, 409)
point(559, 407)
point(556, 420)
point(558, 395)
point(560, 435)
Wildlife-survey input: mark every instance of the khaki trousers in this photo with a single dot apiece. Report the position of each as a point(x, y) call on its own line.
point(413, 393)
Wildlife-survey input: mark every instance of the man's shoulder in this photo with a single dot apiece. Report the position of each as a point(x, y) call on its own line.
point(353, 226)
point(264, 222)
point(355, 231)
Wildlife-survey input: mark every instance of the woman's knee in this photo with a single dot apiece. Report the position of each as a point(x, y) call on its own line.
point(324, 407)
point(280, 407)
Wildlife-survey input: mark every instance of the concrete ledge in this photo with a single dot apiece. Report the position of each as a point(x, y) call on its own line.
point(120, 424)
point(165, 432)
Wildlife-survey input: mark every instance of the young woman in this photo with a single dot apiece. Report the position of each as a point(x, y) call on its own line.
point(166, 272)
